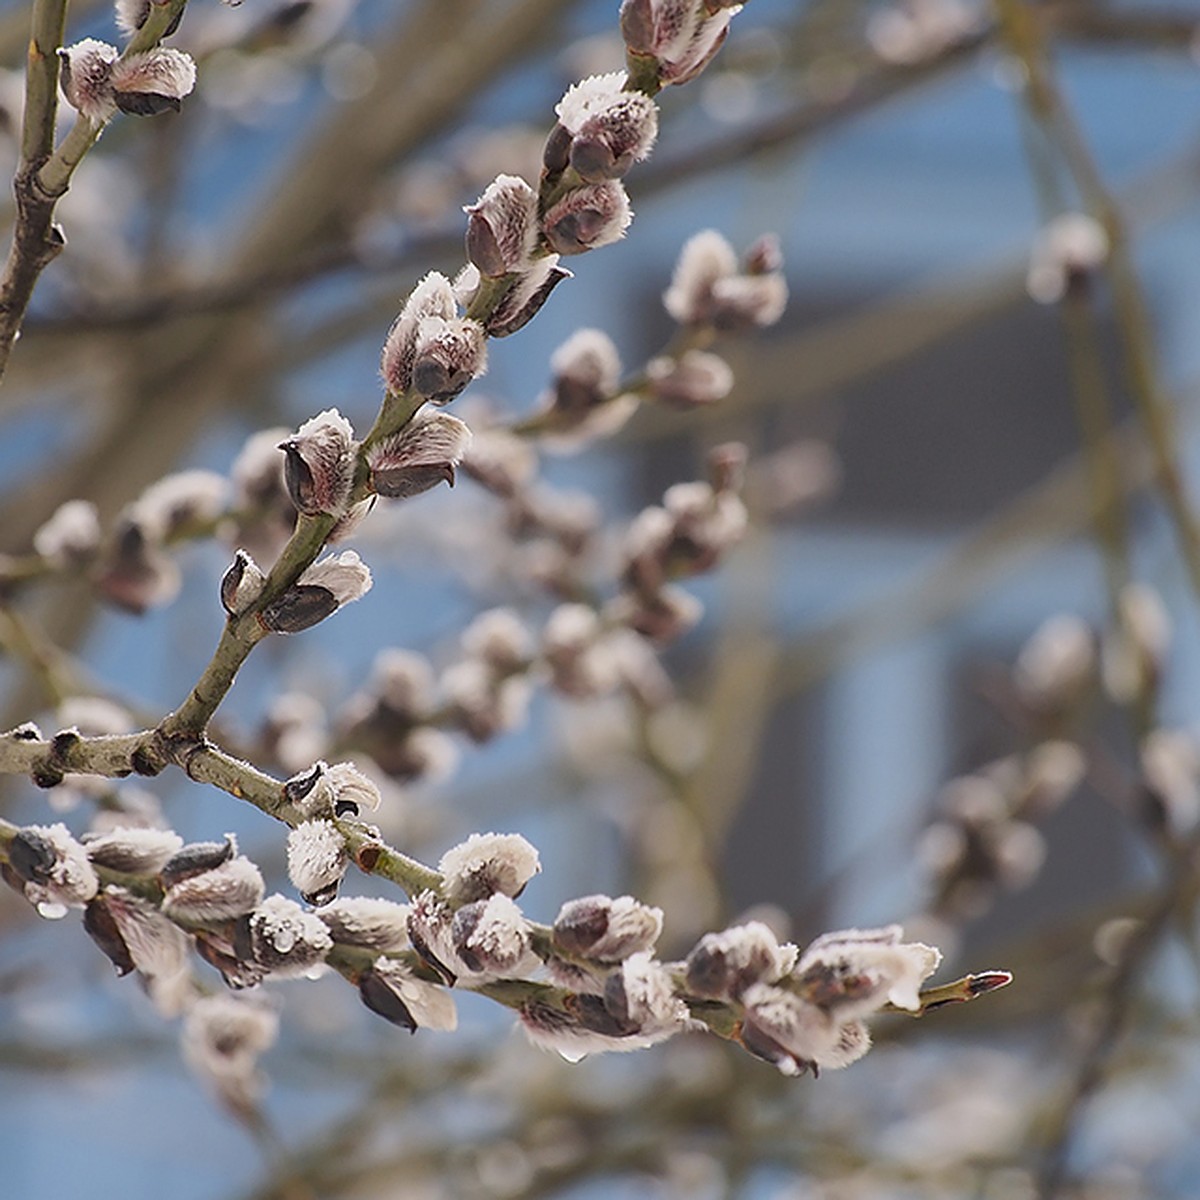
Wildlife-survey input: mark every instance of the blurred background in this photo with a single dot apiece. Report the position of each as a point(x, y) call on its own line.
point(863, 732)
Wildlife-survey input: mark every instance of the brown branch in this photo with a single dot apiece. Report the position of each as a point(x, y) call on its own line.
point(43, 173)
point(23, 751)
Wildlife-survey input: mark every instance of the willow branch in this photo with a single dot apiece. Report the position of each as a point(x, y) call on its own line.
point(43, 173)
point(1026, 35)
point(23, 751)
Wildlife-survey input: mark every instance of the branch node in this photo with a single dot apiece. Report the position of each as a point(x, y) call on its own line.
point(146, 760)
point(46, 774)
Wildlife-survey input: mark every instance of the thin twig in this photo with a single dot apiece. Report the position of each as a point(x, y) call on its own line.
point(44, 173)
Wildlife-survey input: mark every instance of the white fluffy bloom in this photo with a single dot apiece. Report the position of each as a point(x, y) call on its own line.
point(1056, 662)
point(642, 994)
point(428, 1005)
point(607, 930)
point(326, 791)
point(230, 890)
point(1070, 246)
point(426, 452)
point(137, 851)
point(491, 938)
point(794, 1034)
point(223, 1038)
point(603, 129)
point(854, 972)
point(345, 575)
point(316, 860)
point(54, 867)
point(484, 704)
point(588, 217)
point(1133, 653)
point(71, 535)
point(319, 464)
point(502, 227)
point(486, 863)
point(499, 638)
point(432, 297)
point(726, 963)
point(180, 500)
point(285, 939)
point(153, 81)
point(708, 288)
point(705, 258)
point(157, 947)
point(368, 922)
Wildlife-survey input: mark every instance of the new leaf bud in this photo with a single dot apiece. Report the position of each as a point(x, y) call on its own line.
point(423, 454)
point(596, 214)
point(319, 468)
point(152, 82)
point(242, 584)
point(502, 227)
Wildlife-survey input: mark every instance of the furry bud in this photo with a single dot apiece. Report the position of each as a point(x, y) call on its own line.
point(316, 860)
point(71, 536)
point(609, 128)
point(587, 217)
point(606, 930)
point(87, 78)
point(423, 454)
point(319, 468)
point(447, 355)
point(135, 574)
point(284, 939)
point(230, 890)
point(523, 301)
point(491, 936)
point(390, 989)
point(152, 82)
point(54, 868)
point(693, 379)
point(432, 297)
point(325, 587)
point(487, 863)
point(708, 288)
point(242, 584)
point(133, 851)
point(502, 227)
point(683, 36)
point(380, 925)
point(722, 965)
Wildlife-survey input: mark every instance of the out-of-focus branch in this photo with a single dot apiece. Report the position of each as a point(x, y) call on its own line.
point(1178, 898)
point(20, 638)
point(1043, 516)
point(35, 241)
point(44, 173)
point(1026, 34)
point(875, 83)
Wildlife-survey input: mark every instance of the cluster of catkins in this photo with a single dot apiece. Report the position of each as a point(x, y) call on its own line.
point(589, 982)
point(986, 834)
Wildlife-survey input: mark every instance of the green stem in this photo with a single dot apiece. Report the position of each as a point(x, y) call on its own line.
point(243, 632)
point(48, 25)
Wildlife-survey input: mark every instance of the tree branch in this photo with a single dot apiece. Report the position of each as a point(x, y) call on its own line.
point(43, 173)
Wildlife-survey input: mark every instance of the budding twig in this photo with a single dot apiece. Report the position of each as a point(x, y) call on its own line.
point(960, 991)
point(44, 173)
